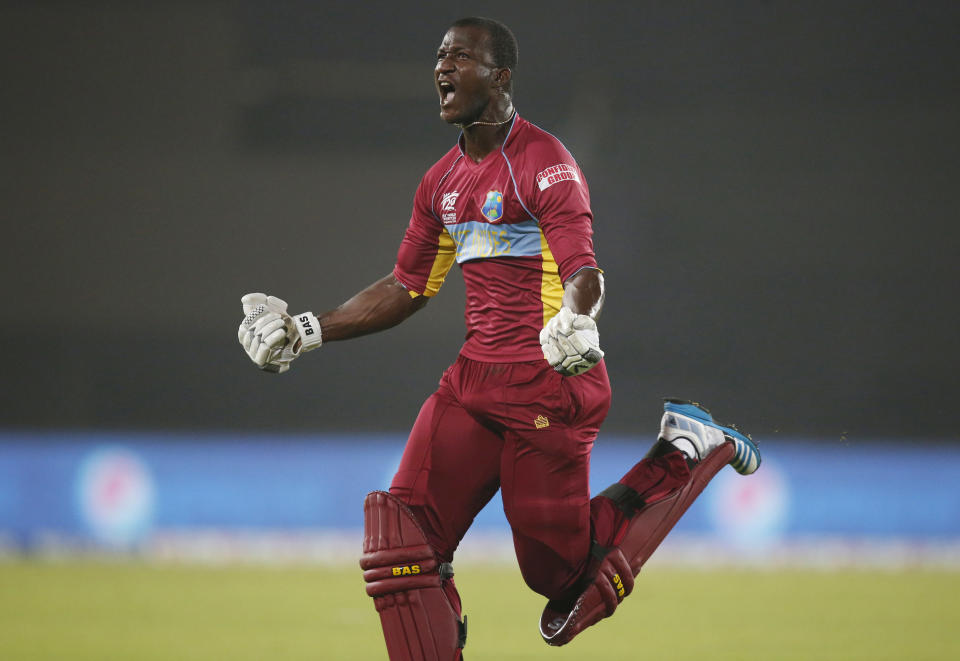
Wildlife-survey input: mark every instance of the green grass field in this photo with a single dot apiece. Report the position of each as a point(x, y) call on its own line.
point(72, 610)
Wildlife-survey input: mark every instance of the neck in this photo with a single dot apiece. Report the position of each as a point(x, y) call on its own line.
point(486, 134)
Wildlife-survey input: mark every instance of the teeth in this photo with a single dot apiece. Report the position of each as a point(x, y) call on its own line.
point(446, 92)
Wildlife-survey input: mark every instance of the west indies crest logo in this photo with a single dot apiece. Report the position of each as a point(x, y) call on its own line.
point(493, 206)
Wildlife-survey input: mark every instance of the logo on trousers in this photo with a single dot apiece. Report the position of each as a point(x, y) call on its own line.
point(540, 422)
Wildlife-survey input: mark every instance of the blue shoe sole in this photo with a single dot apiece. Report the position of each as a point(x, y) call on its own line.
point(746, 450)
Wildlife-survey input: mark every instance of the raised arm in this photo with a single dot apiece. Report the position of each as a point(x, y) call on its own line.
point(272, 338)
point(382, 305)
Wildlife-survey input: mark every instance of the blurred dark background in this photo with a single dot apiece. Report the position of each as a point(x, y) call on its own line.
point(774, 187)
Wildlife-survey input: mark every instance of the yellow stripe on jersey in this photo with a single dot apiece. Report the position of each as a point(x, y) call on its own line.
point(551, 289)
point(446, 254)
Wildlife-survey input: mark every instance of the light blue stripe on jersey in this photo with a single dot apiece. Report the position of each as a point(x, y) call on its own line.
point(477, 240)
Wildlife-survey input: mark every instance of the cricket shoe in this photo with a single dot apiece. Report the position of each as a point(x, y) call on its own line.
point(691, 429)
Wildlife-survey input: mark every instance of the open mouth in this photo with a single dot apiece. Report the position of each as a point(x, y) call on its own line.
point(447, 91)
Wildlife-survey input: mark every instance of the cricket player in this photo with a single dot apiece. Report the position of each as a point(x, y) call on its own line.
point(521, 406)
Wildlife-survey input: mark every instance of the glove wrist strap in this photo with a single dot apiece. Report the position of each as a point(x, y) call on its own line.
point(308, 327)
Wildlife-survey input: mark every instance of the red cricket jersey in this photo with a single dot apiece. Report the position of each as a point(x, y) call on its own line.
point(519, 225)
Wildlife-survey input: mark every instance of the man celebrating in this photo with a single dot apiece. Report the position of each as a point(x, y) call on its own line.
point(521, 406)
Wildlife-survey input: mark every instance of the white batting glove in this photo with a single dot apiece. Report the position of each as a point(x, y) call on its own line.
point(271, 337)
point(571, 343)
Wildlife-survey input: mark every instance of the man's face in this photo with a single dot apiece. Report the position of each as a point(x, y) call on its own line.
point(464, 74)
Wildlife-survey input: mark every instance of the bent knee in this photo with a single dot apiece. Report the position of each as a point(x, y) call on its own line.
point(549, 571)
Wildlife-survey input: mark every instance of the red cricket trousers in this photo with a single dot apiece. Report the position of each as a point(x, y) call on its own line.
point(528, 431)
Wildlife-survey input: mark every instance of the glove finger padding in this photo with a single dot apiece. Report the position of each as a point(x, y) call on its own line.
point(571, 343)
point(553, 354)
point(250, 301)
point(583, 341)
point(257, 313)
point(277, 336)
point(566, 346)
point(563, 321)
point(264, 328)
point(250, 333)
point(272, 303)
point(545, 335)
point(271, 337)
point(261, 354)
point(268, 325)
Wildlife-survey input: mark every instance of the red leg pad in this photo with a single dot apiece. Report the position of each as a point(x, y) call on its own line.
point(646, 529)
point(413, 592)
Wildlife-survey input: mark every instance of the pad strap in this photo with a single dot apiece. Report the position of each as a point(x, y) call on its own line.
point(625, 498)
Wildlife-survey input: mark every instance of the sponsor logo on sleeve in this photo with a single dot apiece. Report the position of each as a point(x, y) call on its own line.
point(555, 174)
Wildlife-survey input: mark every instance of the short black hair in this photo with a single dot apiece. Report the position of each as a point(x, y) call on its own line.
point(503, 45)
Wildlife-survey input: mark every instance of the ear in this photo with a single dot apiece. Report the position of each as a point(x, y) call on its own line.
point(502, 78)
